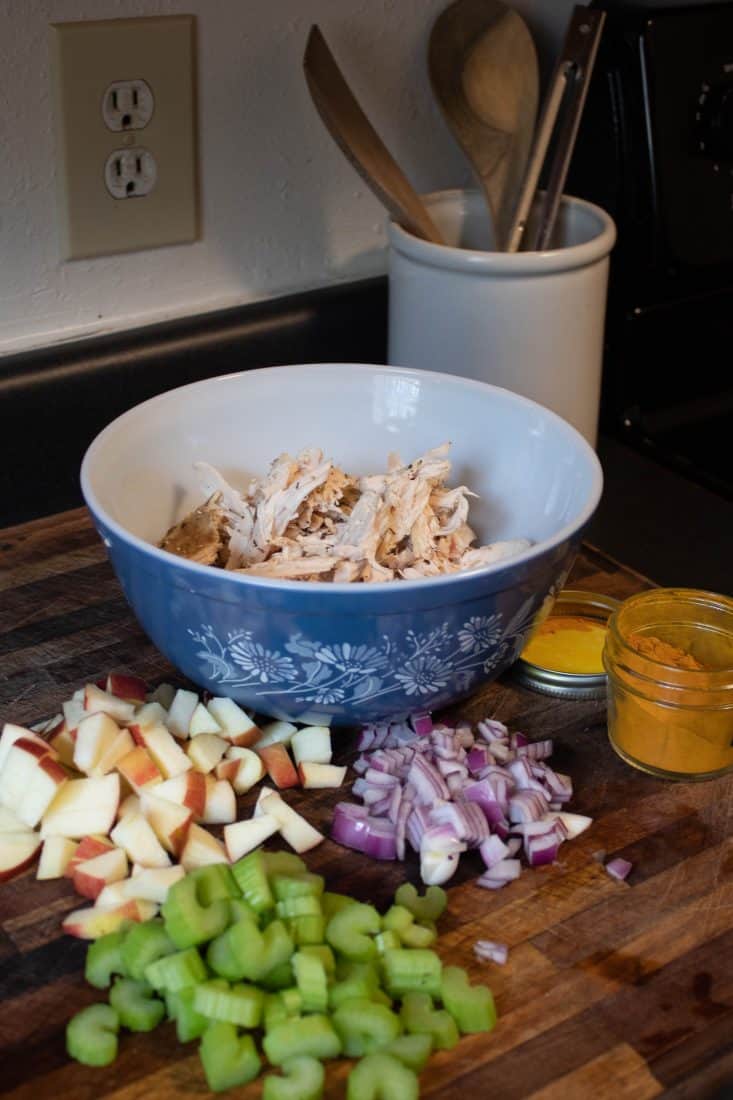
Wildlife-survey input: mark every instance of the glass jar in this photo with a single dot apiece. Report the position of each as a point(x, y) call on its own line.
point(673, 721)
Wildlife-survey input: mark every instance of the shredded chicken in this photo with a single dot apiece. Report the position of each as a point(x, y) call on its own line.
point(309, 520)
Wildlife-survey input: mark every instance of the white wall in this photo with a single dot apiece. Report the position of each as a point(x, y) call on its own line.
point(282, 210)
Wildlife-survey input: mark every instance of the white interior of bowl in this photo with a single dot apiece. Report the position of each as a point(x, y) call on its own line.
point(533, 473)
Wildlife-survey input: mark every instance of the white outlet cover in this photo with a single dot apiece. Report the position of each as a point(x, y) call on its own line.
point(130, 173)
point(128, 105)
point(90, 57)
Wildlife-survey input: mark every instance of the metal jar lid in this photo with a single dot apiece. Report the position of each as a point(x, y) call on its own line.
point(569, 685)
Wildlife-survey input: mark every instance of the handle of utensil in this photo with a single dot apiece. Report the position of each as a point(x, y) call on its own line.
point(569, 87)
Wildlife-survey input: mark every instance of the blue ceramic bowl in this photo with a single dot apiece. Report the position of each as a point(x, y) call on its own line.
point(311, 651)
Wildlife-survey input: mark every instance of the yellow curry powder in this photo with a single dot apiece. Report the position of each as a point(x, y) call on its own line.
point(657, 650)
point(568, 643)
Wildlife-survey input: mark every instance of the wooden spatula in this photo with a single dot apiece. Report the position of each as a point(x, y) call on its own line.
point(358, 140)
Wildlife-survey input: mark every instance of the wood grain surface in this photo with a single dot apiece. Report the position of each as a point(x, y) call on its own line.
point(611, 991)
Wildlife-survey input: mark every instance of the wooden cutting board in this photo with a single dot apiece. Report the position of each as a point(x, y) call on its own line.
point(611, 990)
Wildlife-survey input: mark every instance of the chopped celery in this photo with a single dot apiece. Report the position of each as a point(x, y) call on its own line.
point(359, 980)
point(144, 943)
point(91, 1035)
point(364, 1026)
point(229, 1059)
point(397, 919)
point(471, 1006)
point(237, 1004)
point(293, 1000)
point(240, 910)
point(412, 1050)
point(214, 882)
point(428, 907)
point(251, 878)
point(333, 903)
point(190, 1024)
point(303, 1080)
point(104, 958)
point(302, 885)
point(280, 977)
point(323, 952)
point(304, 906)
point(227, 953)
point(310, 975)
point(420, 1017)
point(305, 1035)
point(387, 941)
point(418, 935)
point(274, 1011)
point(178, 971)
point(135, 1005)
point(308, 929)
point(380, 1076)
point(350, 930)
point(188, 920)
point(409, 970)
point(283, 863)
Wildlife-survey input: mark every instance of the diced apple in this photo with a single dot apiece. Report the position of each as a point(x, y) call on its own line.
point(221, 803)
point(56, 855)
point(95, 735)
point(188, 790)
point(163, 694)
point(280, 767)
point(313, 776)
point(74, 713)
point(17, 852)
point(206, 751)
point(10, 822)
point(294, 829)
point(245, 836)
point(170, 821)
point(202, 722)
point(165, 751)
point(30, 780)
point(149, 714)
point(130, 805)
point(118, 750)
point(201, 849)
point(312, 744)
point(62, 743)
point(95, 700)
point(83, 806)
point(153, 883)
point(87, 848)
point(94, 921)
point(236, 724)
point(130, 688)
point(276, 733)
point(136, 835)
point(78, 696)
point(179, 713)
point(44, 728)
point(91, 877)
point(242, 767)
point(113, 895)
point(12, 733)
point(139, 769)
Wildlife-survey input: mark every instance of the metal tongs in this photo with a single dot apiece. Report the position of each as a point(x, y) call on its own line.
point(568, 90)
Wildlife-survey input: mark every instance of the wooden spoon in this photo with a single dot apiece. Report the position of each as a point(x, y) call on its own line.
point(358, 140)
point(484, 74)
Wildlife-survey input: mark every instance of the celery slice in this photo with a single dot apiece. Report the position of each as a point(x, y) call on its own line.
point(178, 971)
point(307, 929)
point(411, 970)
point(333, 903)
point(364, 1026)
point(251, 878)
point(304, 1080)
point(283, 863)
point(350, 930)
point(135, 1005)
point(239, 1004)
point(240, 910)
point(306, 1035)
point(228, 1059)
point(144, 943)
point(280, 977)
point(471, 1006)
point(306, 905)
point(310, 975)
point(104, 958)
point(91, 1035)
point(188, 920)
point(412, 1050)
point(215, 882)
point(190, 1024)
point(418, 935)
point(323, 952)
point(303, 885)
point(387, 941)
point(420, 1017)
point(397, 919)
point(429, 907)
point(382, 1077)
point(227, 954)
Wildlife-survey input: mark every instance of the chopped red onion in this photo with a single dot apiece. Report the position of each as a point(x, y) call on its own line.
point(373, 836)
point(574, 824)
point(377, 778)
point(427, 781)
point(464, 735)
point(619, 868)
point(493, 730)
point(490, 951)
point(422, 724)
point(479, 757)
point(514, 845)
point(500, 874)
point(541, 849)
point(527, 806)
point(493, 850)
point(518, 741)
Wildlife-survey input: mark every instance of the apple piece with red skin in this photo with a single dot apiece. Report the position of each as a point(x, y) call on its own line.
point(95, 700)
point(294, 829)
point(279, 766)
point(12, 733)
point(74, 713)
point(87, 848)
point(319, 776)
point(18, 852)
point(122, 745)
point(276, 733)
point(130, 688)
point(112, 895)
point(130, 805)
point(221, 802)
point(56, 854)
point(95, 735)
point(202, 722)
point(169, 820)
point(136, 835)
point(206, 750)
point(91, 876)
point(153, 883)
point(244, 836)
point(60, 740)
point(201, 849)
point(94, 921)
point(187, 790)
point(30, 780)
point(83, 807)
point(312, 744)
point(236, 725)
point(168, 755)
point(139, 769)
point(149, 714)
point(179, 713)
point(242, 767)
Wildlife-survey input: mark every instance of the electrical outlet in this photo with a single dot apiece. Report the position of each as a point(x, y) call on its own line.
point(126, 125)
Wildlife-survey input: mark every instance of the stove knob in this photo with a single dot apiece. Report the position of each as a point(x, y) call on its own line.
point(715, 122)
